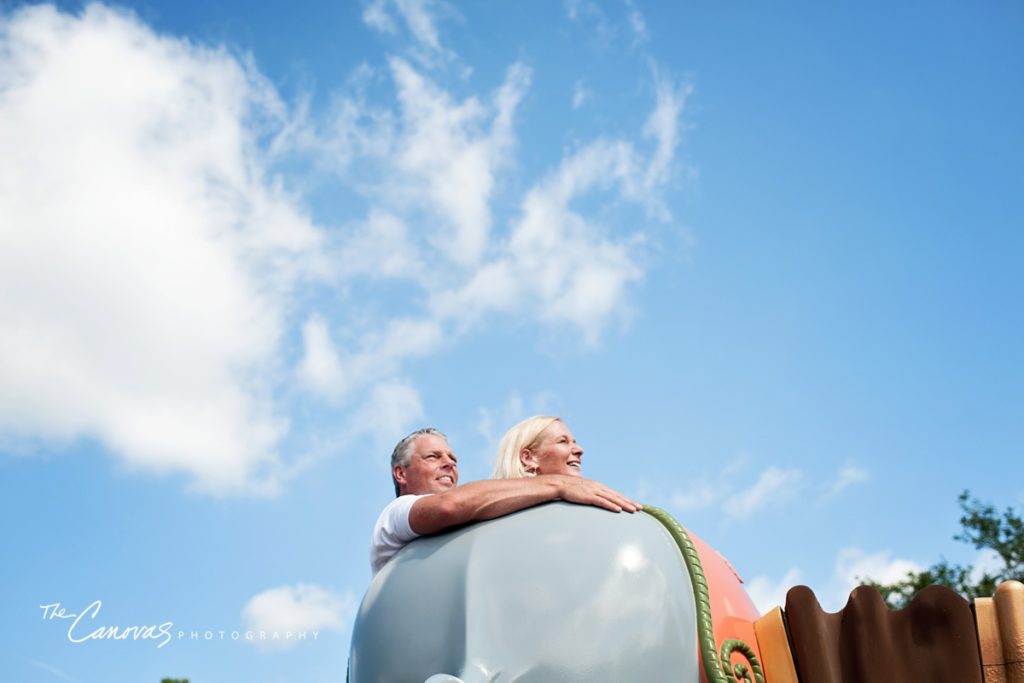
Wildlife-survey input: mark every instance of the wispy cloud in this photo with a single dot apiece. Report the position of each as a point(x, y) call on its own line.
point(848, 476)
point(448, 157)
point(697, 495)
point(493, 421)
point(418, 17)
point(580, 94)
point(379, 247)
point(286, 611)
point(987, 560)
point(663, 126)
point(320, 369)
point(586, 284)
point(438, 160)
point(606, 25)
point(393, 407)
point(636, 22)
point(590, 15)
point(774, 487)
point(853, 566)
point(768, 594)
point(377, 355)
point(177, 266)
point(52, 670)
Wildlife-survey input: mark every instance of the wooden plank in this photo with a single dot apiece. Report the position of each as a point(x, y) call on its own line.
point(1009, 604)
point(990, 643)
point(773, 643)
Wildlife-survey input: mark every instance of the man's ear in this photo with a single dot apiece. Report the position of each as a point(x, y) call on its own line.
point(398, 472)
point(528, 460)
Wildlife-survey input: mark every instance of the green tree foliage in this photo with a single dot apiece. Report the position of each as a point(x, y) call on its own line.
point(174, 680)
point(984, 527)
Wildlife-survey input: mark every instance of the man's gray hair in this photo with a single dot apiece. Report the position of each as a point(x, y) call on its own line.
point(403, 450)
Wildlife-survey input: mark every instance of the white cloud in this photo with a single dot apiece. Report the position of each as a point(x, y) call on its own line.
point(380, 247)
point(493, 422)
point(438, 160)
point(147, 256)
point(849, 476)
point(50, 669)
point(854, 566)
point(509, 414)
point(320, 369)
point(774, 487)
point(768, 594)
point(604, 29)
point(663, 127)
point(449, 158)
point(987, 560)
point(590, 13)
point(636, 22)
point(351, 129)
point(578, 276)
point(285, 611)
point(392, 409)
point(699, 495)
point(382, 352)
point(376, 15)
point(580, 94)
point(153, 270)
point(556, 263)
point(419, 19)
point(430, 161)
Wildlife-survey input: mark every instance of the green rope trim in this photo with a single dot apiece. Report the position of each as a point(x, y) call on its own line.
point(741, 672)
point(705, 635)
point(715, 670)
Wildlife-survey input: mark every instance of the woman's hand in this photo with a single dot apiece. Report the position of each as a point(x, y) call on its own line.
point(589, 492)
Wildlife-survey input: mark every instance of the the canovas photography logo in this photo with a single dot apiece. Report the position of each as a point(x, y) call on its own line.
point(82, 625)
point(85, 625)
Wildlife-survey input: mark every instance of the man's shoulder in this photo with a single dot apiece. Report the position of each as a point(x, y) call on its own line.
point(400, 506)
point(392, 530)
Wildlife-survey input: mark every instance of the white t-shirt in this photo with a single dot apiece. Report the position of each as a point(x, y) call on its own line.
point(392, 531)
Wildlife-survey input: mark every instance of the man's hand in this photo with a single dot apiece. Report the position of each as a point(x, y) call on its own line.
point(589, 492)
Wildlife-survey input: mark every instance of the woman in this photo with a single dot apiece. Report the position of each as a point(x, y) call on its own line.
point(541, 444)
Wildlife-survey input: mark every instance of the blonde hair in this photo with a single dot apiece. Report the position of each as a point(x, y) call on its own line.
point(526, 434)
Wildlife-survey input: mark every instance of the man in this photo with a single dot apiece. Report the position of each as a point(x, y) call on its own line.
point(426, 475)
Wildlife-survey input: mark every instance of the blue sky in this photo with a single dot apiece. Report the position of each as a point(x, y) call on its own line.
point(764, 260)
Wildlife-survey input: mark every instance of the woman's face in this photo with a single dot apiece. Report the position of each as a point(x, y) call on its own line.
point(556, 452)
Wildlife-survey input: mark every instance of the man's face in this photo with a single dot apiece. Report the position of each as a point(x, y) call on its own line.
point(432, 467)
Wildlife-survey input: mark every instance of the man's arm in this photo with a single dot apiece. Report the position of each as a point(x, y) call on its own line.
point(482, 500)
